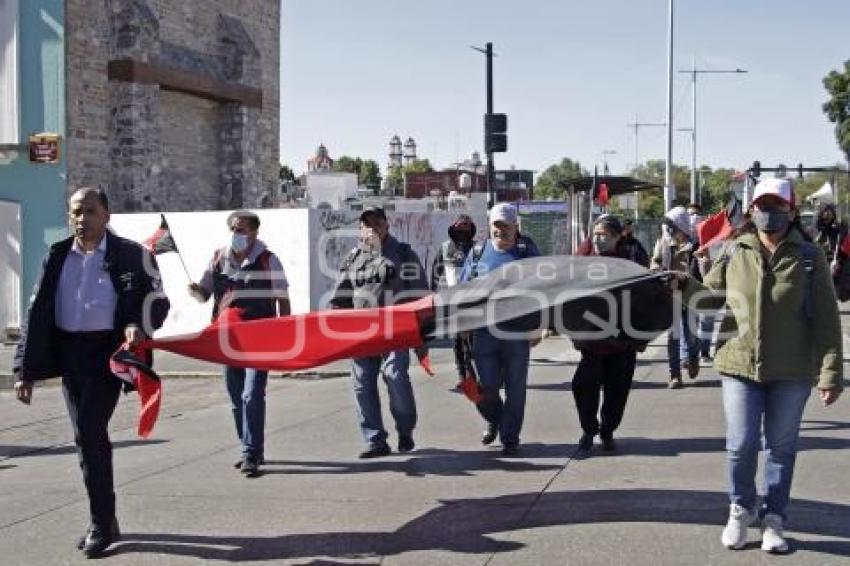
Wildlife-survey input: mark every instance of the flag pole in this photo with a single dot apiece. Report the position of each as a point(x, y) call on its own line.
point(177, 249)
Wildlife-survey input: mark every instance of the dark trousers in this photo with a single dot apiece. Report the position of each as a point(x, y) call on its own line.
point(610, 373)
point(91, 394)
point(463, 357)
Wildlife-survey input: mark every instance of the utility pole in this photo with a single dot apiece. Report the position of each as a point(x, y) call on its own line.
point(491, 193)
point(668, 181)
point(637, 125)
point(605, 154)
point(693, 71)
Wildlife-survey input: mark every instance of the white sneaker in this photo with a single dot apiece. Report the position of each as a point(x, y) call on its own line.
point(735, 533)
point(771, 539)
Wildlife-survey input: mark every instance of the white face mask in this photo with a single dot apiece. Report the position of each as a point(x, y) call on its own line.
point(239, 242)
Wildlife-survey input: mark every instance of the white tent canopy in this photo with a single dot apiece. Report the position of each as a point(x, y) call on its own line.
point(823, 194)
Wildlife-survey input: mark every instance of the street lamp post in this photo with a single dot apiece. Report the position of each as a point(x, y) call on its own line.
point(693, 71)
point(605, 154)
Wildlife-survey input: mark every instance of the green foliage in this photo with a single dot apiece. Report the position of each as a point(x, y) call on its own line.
point(547, 185)
point(837, 108)
point(346, 164)
point(285, 174)
point(370, 174)
point(419, 166)
point(367, 171)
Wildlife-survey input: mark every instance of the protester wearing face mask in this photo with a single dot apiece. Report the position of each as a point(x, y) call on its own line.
point(605, 366)
point(381, 271)
point(674, 251)
point(445, 273)
point(787, 338)
point(248, 276)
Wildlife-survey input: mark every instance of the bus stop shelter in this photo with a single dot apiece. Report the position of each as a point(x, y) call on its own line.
point(583, 191)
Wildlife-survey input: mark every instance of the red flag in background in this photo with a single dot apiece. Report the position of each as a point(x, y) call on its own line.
point(713, 229)
point(161, 241)
point(602, 196)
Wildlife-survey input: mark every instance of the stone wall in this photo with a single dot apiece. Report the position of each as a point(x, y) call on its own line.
point(154, 148)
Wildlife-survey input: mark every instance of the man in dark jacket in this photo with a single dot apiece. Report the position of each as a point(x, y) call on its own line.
point(605, 365)
point(381, 271)
point(446, 273)
point(637, 253)
point(96, 291)
point(829, 230)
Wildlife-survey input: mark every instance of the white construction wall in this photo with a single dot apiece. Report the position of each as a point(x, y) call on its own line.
point(310, 243)
point(10, 267)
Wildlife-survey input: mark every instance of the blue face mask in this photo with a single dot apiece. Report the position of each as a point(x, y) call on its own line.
point(239, 243)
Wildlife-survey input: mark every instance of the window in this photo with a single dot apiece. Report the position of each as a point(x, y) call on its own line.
point(9, 99)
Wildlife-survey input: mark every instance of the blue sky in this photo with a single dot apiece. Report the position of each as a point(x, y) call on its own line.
point(570, 74)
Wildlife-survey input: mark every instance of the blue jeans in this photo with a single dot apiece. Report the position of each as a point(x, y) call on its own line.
point(705, 332)
point(502, 363)
point(682, 344)
point(393, 368)
point(775, 408)
point(247, 390)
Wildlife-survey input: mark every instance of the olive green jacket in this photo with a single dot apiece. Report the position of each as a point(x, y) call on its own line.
point(772, 339)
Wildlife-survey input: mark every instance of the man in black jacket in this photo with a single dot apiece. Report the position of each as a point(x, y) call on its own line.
point(96, 291)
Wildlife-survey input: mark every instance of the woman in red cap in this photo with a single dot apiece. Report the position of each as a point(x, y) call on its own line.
point(784, 338)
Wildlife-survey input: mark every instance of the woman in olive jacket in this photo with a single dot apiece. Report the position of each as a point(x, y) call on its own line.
point(786, 339)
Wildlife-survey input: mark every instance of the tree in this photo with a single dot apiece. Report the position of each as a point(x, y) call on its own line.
point(547, 185)
point(651, 203)
point(346, 164)
point(419, 166)
point(370, 174)
point(285, 174)
point(837, 108)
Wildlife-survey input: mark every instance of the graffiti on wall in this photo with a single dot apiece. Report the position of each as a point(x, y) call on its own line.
point(336, 233)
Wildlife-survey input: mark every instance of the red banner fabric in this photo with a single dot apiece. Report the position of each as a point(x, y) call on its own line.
point(306, 340)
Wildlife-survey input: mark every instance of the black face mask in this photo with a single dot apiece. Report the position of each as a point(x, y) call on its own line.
point(770, 220)
point(462, 235)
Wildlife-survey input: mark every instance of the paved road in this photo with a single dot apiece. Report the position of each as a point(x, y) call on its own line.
point(659, 500)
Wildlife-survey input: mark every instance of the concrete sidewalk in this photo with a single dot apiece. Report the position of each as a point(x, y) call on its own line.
point(659, 500)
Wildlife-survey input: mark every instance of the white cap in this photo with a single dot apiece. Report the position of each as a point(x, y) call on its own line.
point(781, 188)
point(678, 216)
point(503, 212)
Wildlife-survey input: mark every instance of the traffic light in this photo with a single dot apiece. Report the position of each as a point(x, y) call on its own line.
point(756, 169)
point(800, 170)
point(495, 133)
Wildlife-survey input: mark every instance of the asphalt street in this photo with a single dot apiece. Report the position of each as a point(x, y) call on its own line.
point(660, 499)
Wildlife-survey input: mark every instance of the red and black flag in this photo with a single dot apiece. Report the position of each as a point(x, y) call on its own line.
point(597, 299)
point(133, 367)
point(161, 241)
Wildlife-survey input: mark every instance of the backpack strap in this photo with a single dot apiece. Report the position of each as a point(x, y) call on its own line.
point(477, 251)
point(808, 252)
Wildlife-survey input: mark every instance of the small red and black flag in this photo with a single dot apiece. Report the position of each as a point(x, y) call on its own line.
point(161, 241)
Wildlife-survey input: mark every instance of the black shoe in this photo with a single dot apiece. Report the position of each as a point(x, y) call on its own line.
point(405, 443)
point(250, 468)
point(585, 443)
point(376, 451)
point(82, 541)
point(511, 449)
point(608, 444)
point(238, 463)
point(98, 540)
point(489, 435)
